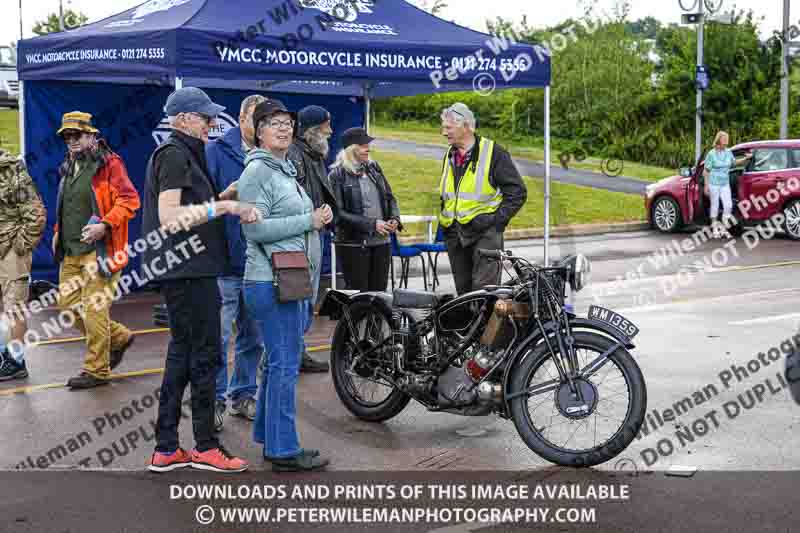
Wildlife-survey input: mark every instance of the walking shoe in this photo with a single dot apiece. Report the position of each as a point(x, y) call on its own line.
point(10, 369)
point(165, 462)
point(303, 462)
point(307, 451)
point(218, 460)
point(84, 380)
point(307, 364)
point(117, 355)
point(219, 414)
point(246, 408)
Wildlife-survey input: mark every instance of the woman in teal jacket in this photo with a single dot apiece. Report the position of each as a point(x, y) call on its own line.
point(717, 168)
point(289, 224)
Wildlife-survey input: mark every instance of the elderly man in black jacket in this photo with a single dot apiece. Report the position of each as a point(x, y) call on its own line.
point(481, 191)
point(308, 153)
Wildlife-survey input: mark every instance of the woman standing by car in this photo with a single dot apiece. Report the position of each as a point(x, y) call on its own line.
point(289, 224)
point(367, 214)
point(717, 167)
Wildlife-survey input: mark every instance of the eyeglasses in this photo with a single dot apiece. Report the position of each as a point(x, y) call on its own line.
point(281, 124)
point(71, 135)
point(205, 118)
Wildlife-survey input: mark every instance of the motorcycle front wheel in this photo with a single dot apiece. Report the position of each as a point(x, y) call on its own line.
point(579, 431)
point(357, 379)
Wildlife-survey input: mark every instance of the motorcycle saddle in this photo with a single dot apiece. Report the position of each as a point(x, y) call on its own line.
point(415, 299)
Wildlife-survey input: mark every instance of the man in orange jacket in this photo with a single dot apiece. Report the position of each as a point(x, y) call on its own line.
point(96, 199)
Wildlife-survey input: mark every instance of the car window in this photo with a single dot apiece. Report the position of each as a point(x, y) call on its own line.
point(767, 159)
point(796, 158)
point(7, 58)
point(739, 154)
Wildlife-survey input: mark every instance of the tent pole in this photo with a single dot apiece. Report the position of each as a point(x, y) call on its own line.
point(547, 176)
point(22, 118)
point(367, 105)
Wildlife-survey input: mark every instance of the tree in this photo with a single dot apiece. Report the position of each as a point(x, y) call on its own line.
point(434, 7)
point(646, 28)
point(72, 20)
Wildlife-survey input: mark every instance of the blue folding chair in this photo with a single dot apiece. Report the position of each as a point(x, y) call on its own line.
point(433, 248)
point(406, 253)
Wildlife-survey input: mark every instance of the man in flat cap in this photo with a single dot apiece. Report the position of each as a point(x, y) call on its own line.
point(96, 199)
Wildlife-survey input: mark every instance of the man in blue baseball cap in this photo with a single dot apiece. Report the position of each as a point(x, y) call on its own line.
point(181, 196)
point(308, 153)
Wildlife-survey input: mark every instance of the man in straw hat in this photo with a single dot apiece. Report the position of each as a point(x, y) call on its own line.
point(96, 199)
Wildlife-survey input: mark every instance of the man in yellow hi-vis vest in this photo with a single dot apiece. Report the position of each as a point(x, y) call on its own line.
point(481, 191)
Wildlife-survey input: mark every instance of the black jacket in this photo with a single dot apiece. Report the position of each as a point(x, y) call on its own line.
point(181, 163)
point(352, 227)
point(503, 175)
point(312, 175)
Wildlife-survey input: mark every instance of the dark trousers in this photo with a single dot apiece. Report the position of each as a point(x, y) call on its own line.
point(365, 268)
point(192, 358)
point(471, 272)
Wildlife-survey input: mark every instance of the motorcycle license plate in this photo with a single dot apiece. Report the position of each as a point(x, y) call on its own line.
point(619, 322)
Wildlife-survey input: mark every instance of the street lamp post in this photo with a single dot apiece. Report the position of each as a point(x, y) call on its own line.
point(61, 15)
point(698, 121)
point(785, 45)
point(697, 15)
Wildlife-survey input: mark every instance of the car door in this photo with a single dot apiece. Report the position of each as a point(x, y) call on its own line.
point(769, 166)
point(694, 195)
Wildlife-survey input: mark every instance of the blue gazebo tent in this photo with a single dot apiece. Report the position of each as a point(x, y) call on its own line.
point(337, 53)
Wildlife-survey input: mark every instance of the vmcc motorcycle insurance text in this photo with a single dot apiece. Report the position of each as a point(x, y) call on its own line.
point(570, 384)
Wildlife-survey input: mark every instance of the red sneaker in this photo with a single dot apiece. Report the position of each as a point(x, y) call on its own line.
point(164, 462)
point(218, 460)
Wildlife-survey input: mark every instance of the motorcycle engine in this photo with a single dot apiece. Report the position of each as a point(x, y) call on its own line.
point(456, 386)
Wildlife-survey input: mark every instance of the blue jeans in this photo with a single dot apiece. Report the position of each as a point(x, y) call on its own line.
point(282, 329)
point(249, 346)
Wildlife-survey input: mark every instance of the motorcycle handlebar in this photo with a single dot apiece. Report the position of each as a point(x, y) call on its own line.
point(491, 254)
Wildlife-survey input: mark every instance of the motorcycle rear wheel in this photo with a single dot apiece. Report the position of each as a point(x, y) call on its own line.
point(344, 349)
point(626, 375)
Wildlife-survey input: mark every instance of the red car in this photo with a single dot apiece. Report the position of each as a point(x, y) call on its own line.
point(766, 185)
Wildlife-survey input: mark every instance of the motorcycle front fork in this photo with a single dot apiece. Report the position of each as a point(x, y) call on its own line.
point(565, 358)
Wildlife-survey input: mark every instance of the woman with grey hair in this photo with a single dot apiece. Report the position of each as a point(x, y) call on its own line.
point(366, 214)
point(290, 224)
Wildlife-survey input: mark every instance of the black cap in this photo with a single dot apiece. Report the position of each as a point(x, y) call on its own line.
point(267, 109)
point(355, 136)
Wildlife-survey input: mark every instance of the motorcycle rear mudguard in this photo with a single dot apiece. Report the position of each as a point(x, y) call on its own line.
point(336, 300)
point(575, 324)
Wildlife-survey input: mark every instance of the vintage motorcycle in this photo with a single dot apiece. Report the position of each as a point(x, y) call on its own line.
point(570, 384)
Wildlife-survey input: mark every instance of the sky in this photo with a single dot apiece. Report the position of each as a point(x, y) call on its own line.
point(470, 13)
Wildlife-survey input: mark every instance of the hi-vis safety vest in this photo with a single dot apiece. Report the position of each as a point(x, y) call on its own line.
point(475, 195)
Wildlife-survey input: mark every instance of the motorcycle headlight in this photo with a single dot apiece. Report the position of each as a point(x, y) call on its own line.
point(580, 271)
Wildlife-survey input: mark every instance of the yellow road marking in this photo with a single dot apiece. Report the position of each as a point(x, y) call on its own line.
point(135, 373)
point(78, 339)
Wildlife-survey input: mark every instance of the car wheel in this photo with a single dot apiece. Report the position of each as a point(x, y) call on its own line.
point(792, 223)
point(666, 215)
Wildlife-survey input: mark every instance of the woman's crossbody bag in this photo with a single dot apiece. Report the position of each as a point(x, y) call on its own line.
point(291, 273)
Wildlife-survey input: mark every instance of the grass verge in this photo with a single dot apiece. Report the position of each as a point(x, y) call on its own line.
point(519, 146)
point(415, 182)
